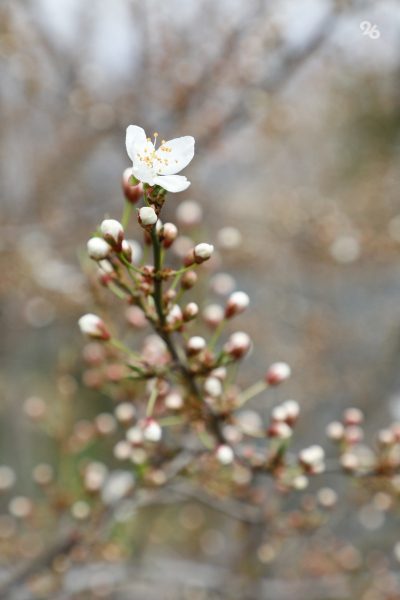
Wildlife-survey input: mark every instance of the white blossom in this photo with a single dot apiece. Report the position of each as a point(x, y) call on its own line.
point(159, 166)
point(225, 454)
point(112, 231)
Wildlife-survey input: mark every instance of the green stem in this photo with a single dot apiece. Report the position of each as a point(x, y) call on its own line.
point(152, 401)
point(253, 390)
point(178, 275)
point(126, 215)
point(129, 265)
point(217, 334)
point(120, 346)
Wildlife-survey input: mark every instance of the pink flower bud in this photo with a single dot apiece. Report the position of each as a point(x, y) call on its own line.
point(168, 234)
point(113, 232)
point(202, 252)
point(353, 434)
point(280, 430)
point(190, 311)
point(238, 344)
point(132, 192)
point(136, 317)
point(189, 279)
point(277, 373)
point(224, 454)
point(213, 315)
point(195, 345)
point(94, 327)
point(236, 304)
point(147, 216)
point(353, 416)
point(98, 249)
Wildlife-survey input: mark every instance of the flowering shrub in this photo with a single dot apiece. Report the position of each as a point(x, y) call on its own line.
point(180, 425)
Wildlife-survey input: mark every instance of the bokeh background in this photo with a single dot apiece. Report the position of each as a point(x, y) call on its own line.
point(296, 114)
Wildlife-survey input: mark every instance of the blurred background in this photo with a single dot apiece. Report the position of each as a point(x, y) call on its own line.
point(296, 113)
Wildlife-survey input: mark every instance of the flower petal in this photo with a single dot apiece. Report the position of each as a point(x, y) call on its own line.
point(134, 135)
point(175, 155)
point(172, 183)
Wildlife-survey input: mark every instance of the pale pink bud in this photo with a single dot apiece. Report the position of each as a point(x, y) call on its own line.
point(353, 416)
point(136, 317)
point(386, 437)
point(349, 461)
point(94, 327)
point(195, 345)
point(190, 311)
point(122, 450)
point(280, 430)
point(213, 387)
point(279, 413)
point(132, 192)
point(125, 413)
point(238, 344)
point(220, 373)
point(20, 507)
point(353, 434)
point(168, 234)
point(175, 315)
point(189, 213)
point(97, 248)
point(134, 435)
point(189, 279)
point(335, 431)
point(312, 458)
point(147, 216)
point(202, 252)
point(105, 424)
point(278, 373)
point(113, 232)
point(213, 315)
point(236, 304)
point(292, 409)
point(174, 401)
point(126, 250)
point(225, 454)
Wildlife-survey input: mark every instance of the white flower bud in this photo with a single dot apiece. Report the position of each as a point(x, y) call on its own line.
point(313, 458)
point(175, 315)
point(277, 373)
point(279, 413)
point(97, 248)
point(147, 216)
point(349, 461)
point(353, 416)
point(95, 476)
point(195, 344)
point(213, 315)
point(386, 437)
point(118, 485)
point(292, 409)
point(94, 327)
point(224, 454)
point(335, 431)
point(190, 311)
point(174, 401)
point(213, 387)
point(152, 431)
point(202, 252)
point(236, 304)
point(125, 412)
point(122, 450)
point(300, 482)
point(134, 435)
point(112, 231)
point(168, 234)
point(238, 344)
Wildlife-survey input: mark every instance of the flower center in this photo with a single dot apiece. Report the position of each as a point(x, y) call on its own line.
point(152, 158)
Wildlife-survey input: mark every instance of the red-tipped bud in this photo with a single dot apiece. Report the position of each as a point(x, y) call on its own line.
point(168, 234)
point(195, 345)
point(238, 344)
point(132, 192)
point(113, 233)
point(202, 252)
point(236, 304)
point(189, 279)
point(278, 373)
point(190, 311)
point(94, 327)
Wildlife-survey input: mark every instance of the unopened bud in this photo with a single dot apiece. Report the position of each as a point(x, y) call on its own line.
point(152, 431)
point(280, 430)
point(126, 250)
point(97, 248)
point(147, 216)
point(125, 413)
point(195, 345)
point(236, 304)
point(213, 314)
point(386, 437)
point(94, 327)
point(168, 234)
point(213, 387)
point(174, 401)
point(353, 434)
point(277, 373)
point(353, 416)
point(132, 192)
point(202, 252)
point(175, 316)
point(189, 279)
point(190, 311)
point(225, 454)
point(292, 409)
point(312, 458)
point(349, 462)
point(335, 431)
point(238, 344)
point(113, 232)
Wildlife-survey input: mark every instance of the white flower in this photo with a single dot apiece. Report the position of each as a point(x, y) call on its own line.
point(97, 248)
point(147, 215)
point(94, 327)
point(159, 166)
point(112, 231)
